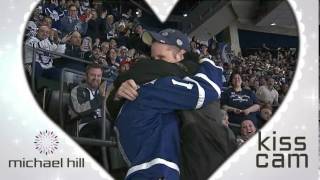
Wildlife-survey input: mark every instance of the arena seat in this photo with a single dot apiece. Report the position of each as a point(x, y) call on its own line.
point(107, 143)
point(42, 82)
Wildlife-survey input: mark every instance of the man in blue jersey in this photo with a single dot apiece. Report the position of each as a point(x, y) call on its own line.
point(148, 126)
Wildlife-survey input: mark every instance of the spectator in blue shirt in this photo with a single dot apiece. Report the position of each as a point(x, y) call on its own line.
point(239, 102)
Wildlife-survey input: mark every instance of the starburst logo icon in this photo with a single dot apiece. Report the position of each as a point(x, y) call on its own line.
point(46, 142)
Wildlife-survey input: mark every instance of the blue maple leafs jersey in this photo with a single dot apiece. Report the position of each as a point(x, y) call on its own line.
point(149, 128)
point(173, 93)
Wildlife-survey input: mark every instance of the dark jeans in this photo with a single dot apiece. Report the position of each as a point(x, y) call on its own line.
point(51, 73)
point(93, 130)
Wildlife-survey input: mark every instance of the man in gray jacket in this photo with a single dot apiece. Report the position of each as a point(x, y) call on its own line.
point(86, 100)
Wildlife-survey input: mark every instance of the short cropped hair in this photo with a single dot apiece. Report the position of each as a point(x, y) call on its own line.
point(72, 5)
point(93, 66)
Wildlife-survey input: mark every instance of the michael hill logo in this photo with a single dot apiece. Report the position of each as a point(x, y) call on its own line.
point(46, 142)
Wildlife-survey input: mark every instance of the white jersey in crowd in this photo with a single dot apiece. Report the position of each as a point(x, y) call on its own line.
point(45, 59)
point(265, 95)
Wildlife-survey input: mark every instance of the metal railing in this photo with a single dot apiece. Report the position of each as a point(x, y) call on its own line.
point(51, 53)
point(105, 128)
point(103, 142)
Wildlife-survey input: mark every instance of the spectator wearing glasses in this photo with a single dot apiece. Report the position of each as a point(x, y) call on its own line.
point(72, 22)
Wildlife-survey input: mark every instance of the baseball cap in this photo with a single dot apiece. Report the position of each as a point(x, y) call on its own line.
point(167, 36)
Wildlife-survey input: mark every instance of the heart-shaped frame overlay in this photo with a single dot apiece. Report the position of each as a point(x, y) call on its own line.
point(285, 107)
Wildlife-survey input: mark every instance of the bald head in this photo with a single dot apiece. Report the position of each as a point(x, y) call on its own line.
point(43, 32)
point(76, 34)
point(110, 19)
point(75, 39)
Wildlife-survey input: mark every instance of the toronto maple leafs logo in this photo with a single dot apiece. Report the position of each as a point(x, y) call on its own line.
point(46, 142)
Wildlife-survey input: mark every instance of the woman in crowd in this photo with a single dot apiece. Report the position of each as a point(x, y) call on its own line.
point(239, 102)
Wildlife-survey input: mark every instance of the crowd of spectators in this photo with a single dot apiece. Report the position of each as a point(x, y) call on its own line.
point(80, 29)
point(255, 83)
